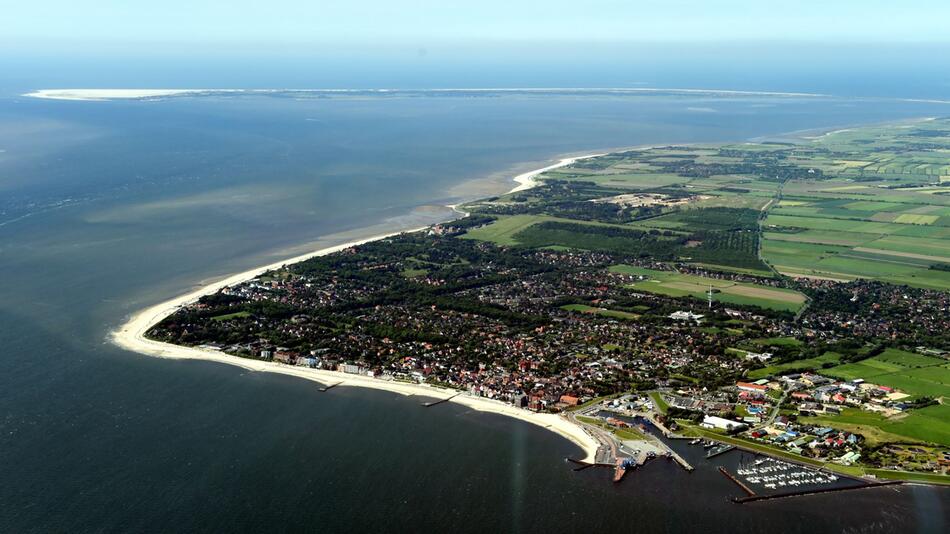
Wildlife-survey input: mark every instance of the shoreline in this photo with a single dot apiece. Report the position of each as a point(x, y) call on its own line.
point(526, 180)
point(104, 94)
point(131, 336)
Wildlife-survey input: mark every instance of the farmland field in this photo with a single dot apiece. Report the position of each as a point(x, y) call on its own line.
point(880, 213)
point(503, 230)
point(726, 291)
point(815, 363)
point(868, 203)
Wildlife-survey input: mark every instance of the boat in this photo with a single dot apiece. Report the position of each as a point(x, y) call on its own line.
point(621, 468)
point(695, 441)
point(723, 448)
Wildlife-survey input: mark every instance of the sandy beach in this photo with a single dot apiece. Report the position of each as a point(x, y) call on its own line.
point(110, 94)
point(126, 94)
point(131, 336)
point(528, 180)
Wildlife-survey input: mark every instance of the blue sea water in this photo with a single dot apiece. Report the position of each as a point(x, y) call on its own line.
point(107, 207)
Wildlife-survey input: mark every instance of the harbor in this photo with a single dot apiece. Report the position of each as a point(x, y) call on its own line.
point(757, 476)
point(762, 477)
point(774, 474)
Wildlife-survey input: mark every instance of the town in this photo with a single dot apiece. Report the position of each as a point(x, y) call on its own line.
point(671, 313)
point(553, 330)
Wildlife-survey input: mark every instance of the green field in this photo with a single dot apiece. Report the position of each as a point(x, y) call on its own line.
point(503, 230)
point(914, 374)
point(881, 214)
point(659, 402)
point(869, 202)
point(616, 314)
point(235, 315)
point(927, 425)
point(797, 365)
point(766, 342)
point(674, 284)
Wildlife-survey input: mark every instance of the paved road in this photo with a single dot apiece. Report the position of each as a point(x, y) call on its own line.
point(775, 412)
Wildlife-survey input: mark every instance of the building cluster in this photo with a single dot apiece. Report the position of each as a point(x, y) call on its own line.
point(816, 394)
point(547, 330)
point(506, 332)
point(866, 309)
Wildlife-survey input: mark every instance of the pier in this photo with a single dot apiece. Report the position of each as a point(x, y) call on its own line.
point(773, 455)
point(738, 482)
point(753, 498)
point(680, 460)
point(328, 387)
point(584, 465)
point(620, 465)
point(440, 401)
point(722, 449)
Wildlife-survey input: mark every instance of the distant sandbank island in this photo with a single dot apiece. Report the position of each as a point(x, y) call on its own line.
point(158, 94)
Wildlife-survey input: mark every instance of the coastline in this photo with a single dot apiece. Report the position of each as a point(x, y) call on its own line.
point(103, 94)
point(526, 180)
point(131, 336)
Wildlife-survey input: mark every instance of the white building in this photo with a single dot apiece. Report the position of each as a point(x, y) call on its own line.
point(711, 421)
point(686, 316)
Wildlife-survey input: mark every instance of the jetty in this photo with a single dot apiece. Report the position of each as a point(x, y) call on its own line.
point(680, 460)
point(738, 482)
point(584, 465)
point(328, 387)
point(754, 498)
point(620, 465)
point(440, 401)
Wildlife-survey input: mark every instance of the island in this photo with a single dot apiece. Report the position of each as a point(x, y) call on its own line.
point(787, 298)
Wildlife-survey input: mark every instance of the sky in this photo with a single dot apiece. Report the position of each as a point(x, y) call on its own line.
point(431, 23)
point(854, 46)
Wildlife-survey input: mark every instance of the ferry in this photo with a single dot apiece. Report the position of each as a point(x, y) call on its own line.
point(621, 469)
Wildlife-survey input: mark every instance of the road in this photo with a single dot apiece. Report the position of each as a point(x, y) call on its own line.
point(774, 413)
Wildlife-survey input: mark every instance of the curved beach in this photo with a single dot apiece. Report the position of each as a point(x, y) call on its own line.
point(131, 336)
